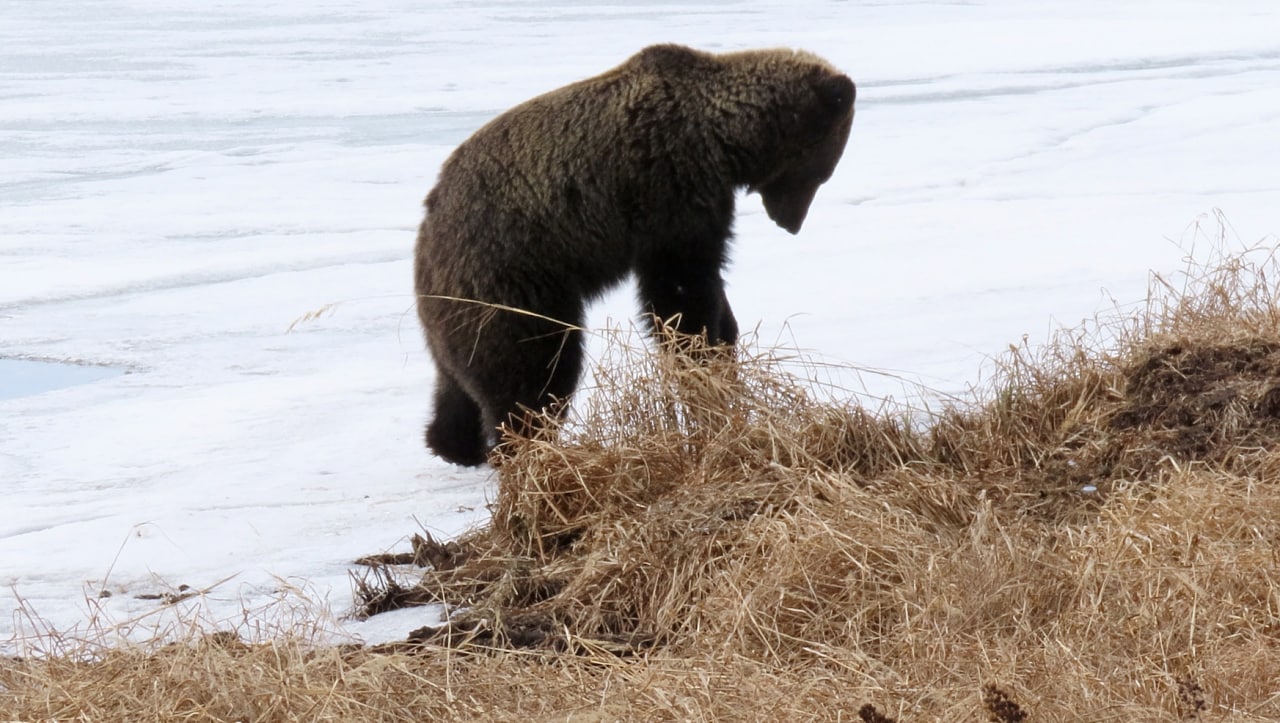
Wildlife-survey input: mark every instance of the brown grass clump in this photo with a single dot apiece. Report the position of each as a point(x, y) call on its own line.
point(1096, 538)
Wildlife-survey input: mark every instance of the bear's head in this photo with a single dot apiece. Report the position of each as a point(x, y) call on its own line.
point(814, 138)
point(782, 116)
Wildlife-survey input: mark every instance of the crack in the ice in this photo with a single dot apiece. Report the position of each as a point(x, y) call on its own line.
point(183, 281)
point(1191, 68)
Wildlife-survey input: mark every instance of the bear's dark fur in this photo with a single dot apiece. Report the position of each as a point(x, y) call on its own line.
point(632, 171)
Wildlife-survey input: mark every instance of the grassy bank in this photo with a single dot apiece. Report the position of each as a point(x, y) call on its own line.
point(1095, 536)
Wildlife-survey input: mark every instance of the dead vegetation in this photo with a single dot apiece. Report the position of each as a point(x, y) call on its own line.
point(1096, 537)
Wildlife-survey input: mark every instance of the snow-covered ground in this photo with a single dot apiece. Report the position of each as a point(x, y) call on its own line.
point(211, 208)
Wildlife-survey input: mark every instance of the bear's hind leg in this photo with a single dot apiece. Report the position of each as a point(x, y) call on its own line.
point(544, 371)
point(457, 432)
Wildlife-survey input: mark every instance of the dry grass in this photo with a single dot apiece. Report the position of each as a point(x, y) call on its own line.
point(1096, 538)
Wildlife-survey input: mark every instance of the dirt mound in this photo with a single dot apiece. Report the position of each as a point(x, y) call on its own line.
point(1206, 403)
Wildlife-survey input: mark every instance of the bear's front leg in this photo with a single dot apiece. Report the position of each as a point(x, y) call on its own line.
point(728, 333)
point(691, 303)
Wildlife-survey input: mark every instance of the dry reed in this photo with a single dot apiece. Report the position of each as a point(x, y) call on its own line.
point(1095, 538)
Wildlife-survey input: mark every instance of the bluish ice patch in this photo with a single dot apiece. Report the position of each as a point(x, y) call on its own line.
point(24, 377)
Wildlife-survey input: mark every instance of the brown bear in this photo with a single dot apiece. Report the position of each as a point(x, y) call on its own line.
point(630, 172)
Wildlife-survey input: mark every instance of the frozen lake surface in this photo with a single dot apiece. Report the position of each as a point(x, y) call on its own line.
point(222, 199)
point(22, 377)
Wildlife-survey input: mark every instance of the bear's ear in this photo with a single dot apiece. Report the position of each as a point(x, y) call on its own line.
point(668, 57)
point(836, 93)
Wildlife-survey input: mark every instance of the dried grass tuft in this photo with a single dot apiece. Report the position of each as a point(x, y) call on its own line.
point(713, 539)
